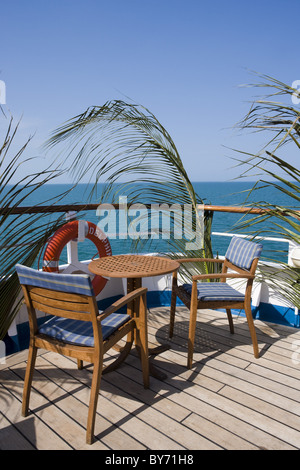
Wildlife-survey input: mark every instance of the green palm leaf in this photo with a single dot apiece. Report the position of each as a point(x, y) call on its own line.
point(282, 121)
point(22, 235)
point(126, 141)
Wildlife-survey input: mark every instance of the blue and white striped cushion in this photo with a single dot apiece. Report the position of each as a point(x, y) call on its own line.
point(214, 291)
point(242, 252)
point(72, 283)
point(81, 332)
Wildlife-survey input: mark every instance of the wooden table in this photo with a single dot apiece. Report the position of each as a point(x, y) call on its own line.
point(134, 268)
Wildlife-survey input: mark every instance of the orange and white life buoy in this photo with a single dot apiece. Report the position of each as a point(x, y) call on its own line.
point(66, 234)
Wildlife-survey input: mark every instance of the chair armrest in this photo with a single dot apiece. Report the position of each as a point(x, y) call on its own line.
point(223, 276)
point(193, 260)
point(121, 302)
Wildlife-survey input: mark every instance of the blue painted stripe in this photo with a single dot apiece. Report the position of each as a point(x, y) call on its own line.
point(266, 312)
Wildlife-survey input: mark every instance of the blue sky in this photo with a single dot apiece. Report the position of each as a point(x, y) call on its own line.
point(184, 60)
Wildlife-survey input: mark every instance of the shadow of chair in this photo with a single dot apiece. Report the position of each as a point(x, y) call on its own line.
point(78, 329)
point(240, 262)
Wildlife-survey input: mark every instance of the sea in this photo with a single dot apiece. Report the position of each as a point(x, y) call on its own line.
point(232, 193)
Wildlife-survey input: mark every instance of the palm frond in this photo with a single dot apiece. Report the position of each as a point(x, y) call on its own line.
point(282, 120)
point(126, 141)
point(22, 236)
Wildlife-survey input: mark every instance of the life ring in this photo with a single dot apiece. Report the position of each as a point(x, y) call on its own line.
point(69, 232)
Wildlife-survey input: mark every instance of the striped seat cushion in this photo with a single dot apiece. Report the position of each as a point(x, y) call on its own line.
point(242, 252)
point(81, 332)
point(215, 291)
point(71, 283)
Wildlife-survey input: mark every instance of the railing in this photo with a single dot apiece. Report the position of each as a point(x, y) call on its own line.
point(291, 245)
point(90, 207)
point(73, 208)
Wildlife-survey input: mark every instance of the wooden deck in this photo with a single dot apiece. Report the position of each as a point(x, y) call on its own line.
point(229, 400)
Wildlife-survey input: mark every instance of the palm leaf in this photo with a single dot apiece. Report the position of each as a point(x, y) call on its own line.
point(126, 141)
point(282, 121)
point(22, 235)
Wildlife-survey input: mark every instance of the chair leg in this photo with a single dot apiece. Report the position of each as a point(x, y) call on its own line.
point(229, 316)
point(28, 379)
point(192, 331)
point(143, 340)
point(79, 364)
point(94, 400)
point(172, 313)
point(252, 330)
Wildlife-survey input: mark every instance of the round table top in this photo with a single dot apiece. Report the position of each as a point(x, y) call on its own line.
point(132, 266)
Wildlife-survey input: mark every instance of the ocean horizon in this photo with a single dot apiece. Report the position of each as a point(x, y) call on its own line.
point(232, 193)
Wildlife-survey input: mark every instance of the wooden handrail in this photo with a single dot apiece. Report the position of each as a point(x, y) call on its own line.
point(94, 207)
point(236, 209)
point(47, 209)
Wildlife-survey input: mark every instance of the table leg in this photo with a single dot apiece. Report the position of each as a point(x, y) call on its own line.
point(132, 284)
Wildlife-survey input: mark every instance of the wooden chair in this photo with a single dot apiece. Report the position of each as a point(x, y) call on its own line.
point(78, 329)
point(241, 259)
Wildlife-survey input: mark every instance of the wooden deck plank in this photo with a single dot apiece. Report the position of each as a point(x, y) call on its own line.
point(11, 437)
point(228, 374)
point(33, 427)
point(163, 418)
point(228, 400)
point(224, 414)
point(126, 410)
point(107, 414)
point(226, 439)
point(272, 419)
point(146, 410)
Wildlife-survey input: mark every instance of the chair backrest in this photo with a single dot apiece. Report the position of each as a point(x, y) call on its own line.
point(72, 283)
point(62, 295)
point(242, 253)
